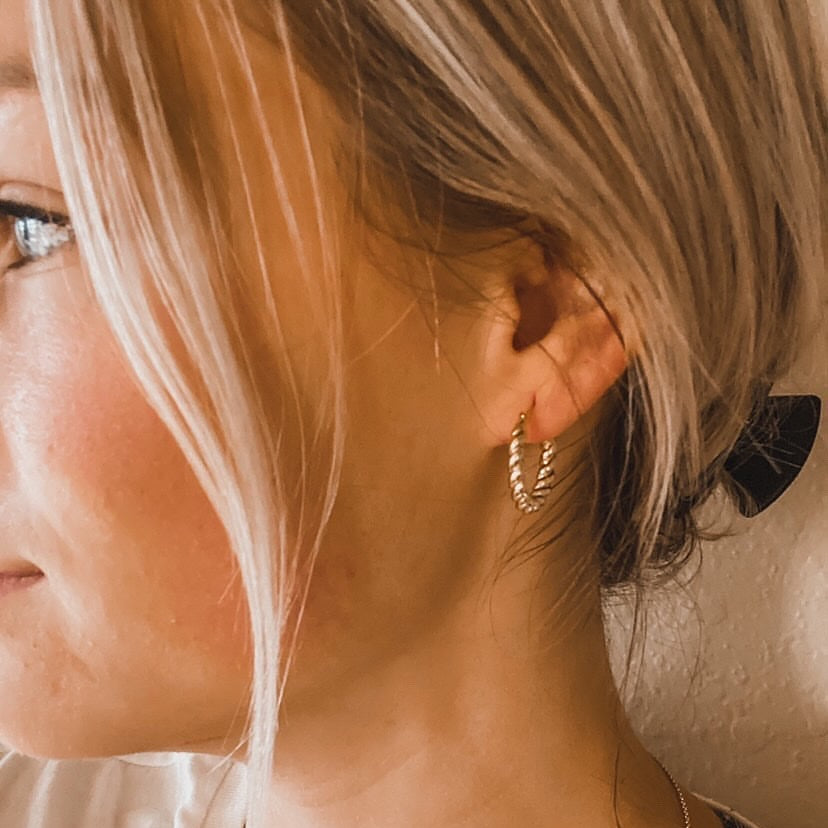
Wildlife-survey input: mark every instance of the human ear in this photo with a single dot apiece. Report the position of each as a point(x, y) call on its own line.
point(553, 348)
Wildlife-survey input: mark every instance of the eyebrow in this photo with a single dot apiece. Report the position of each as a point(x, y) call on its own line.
point(17, 73)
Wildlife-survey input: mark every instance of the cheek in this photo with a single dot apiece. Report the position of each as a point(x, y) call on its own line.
point(142, 609)
point(97, 463)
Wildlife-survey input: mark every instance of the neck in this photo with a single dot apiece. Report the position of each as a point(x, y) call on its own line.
point(474, 723)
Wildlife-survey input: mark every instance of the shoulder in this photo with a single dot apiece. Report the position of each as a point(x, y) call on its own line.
point(729, 817)
point(155, 789)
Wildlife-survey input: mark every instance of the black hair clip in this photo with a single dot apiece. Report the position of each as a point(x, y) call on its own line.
point(771, 450)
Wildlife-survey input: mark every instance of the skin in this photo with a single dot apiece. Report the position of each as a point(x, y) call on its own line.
point(415, 672)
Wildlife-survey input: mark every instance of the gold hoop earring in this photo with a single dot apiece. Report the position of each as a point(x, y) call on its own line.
point(529, 502)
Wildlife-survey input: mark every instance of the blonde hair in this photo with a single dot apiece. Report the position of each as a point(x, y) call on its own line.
point(673, 154)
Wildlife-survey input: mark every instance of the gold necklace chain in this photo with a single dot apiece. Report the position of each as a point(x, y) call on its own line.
point(682, 800)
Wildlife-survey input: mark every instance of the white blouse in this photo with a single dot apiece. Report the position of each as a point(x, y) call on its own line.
point(143, 790)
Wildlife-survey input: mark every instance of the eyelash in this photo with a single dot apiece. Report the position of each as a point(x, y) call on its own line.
point(24, 216)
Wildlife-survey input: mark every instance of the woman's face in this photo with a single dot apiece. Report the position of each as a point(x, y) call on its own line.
point(137, 613)
point(135, 638)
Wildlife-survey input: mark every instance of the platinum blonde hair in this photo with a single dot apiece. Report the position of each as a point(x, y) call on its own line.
point(673, 153)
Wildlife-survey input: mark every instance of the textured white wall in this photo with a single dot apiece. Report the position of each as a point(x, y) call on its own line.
point(751, 728)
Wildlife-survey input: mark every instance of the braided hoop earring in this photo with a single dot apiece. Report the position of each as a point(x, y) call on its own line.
point(529, 502)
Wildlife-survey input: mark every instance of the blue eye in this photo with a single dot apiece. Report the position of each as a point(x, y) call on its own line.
point(37, 233)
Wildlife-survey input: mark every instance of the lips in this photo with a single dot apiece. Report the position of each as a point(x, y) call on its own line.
point(17, 583)
point(18, 569)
